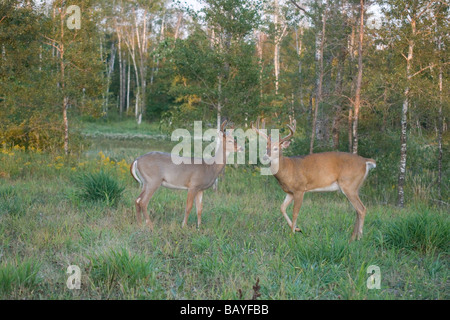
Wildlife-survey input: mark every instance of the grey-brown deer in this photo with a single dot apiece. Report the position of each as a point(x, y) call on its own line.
point(194, 175)
point(327, 171)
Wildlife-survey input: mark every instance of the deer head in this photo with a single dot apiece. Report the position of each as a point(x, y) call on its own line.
point(274, 148)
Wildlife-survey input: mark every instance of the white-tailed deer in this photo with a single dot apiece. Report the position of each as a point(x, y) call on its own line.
point(156, 168)
point(327, 171)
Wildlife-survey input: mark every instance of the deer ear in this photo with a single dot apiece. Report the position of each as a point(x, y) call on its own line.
point(285, 144)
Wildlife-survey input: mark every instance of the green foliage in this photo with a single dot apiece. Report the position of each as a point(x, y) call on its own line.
point(31, 95)
point(100, 186)
point(235, 18)
point(220, 74)
point(18, 276)
point(25, 120)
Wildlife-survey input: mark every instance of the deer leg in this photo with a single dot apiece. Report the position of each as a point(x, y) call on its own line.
point(199, 207)
point(189, 203)
point(284, 205)
point(137, 203)
point(360, 213)
point(298, 200)
point(143, 203)
point(362, 216)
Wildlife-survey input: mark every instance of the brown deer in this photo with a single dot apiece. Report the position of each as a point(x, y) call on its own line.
point(327, 171)
point(194, 175)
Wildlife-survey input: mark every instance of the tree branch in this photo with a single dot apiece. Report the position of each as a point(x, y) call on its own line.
point(78, 68)
point(427, 67)
point(52, 44)
point(345, 96)
point(300, 8)
point(43, 35)
point(424, 10)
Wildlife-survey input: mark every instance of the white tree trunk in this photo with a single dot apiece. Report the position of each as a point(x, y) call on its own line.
point(440, 132)
point(358, 79)
point(320, 81)
point(404, 122)
point(128, 83)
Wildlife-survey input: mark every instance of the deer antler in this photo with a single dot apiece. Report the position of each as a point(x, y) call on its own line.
point(292, 126)
point(262, 134)
point(230, 130)
point(293, 122)
point(222, 127)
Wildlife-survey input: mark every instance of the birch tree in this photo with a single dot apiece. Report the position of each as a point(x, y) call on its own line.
point(357, 101)
point(320, 73)
point(408, 23)
point(280, 27)
point(77, 74)
point(441, 28)
point(58, 41)
point(136, 31)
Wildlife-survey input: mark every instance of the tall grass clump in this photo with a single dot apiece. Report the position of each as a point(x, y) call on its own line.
point(100, 187)
point(18, 275)
point(121, 270)
point(423, 232)
point(327, 250)
point(10, 202)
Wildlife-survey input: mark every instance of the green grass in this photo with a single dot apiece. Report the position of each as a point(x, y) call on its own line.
point(100, 186)
point(119, 270)
point(424, 231)
point(243, 237)
point(16, 277)
point(124, 128)
point(11, 203)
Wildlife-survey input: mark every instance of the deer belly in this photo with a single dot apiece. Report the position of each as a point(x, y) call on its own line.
point(332, 187)
point(172, 186)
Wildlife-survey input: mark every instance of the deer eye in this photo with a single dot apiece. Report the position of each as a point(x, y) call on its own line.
point(275, 149)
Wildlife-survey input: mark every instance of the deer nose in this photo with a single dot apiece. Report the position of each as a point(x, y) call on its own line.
point(265, 157)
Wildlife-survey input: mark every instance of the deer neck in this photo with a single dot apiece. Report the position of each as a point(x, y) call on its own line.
point(277, 165)
point(220, 158)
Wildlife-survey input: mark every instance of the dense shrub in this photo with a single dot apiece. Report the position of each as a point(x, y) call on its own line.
point(100, 186)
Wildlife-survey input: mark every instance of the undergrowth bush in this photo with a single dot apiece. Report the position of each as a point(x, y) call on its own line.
point(100, 186)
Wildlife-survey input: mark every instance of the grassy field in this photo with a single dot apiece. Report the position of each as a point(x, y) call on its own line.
point(45, 226)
